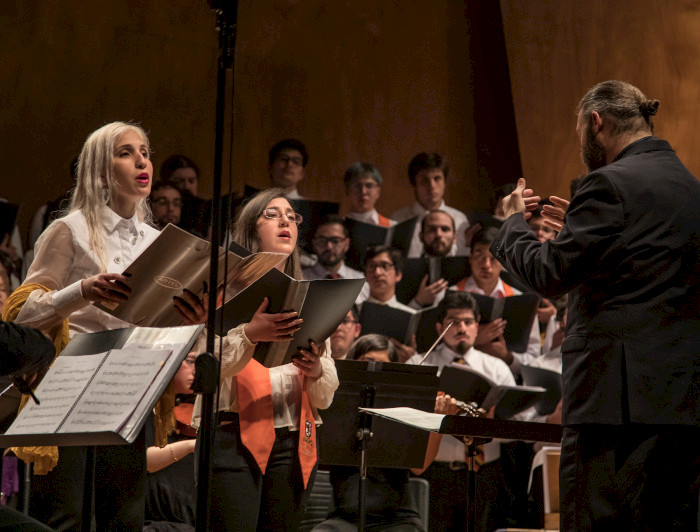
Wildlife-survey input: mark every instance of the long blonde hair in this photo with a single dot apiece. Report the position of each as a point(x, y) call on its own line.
point(245, 228)
point(95, 183)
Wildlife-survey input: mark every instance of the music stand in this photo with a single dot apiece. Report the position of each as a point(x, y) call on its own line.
point(352, 438)
point(476, 431)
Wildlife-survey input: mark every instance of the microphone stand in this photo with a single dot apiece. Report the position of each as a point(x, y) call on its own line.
point(207, 367)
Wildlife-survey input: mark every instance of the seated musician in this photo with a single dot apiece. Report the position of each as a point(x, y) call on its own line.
point(363, 187)
point(170, 485)
point(389, 502)
point(447, 474)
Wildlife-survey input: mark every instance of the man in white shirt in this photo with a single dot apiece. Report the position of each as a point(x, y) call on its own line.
point(427, 173)
point(330, 244)
point(438, 237)
point(286, 165)
point(447, 474)
point(363, 187)
point(485, 280)
point(383, 266)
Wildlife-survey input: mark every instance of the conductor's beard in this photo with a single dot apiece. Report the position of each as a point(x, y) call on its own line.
point(592, 152)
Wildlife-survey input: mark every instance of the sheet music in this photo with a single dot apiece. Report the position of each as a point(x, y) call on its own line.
point(116, 390)
point(57, 392)
point(409, 416)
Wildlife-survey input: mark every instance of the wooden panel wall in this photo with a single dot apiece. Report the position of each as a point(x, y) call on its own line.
point(558, 49)
point(355, 80)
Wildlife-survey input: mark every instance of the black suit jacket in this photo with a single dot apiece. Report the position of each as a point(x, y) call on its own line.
point(629, 256)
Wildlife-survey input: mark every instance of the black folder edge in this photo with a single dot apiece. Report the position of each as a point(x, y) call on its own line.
point(547, 379)
point(480, 427)
point(102, 437)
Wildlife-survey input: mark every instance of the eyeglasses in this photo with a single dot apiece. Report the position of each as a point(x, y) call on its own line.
point(357, 186)
point(348, 321)
point(456, 321)
point(383, 266)
point(164, 202)
point(275, 214)
point(322, 242)
point(285, 159)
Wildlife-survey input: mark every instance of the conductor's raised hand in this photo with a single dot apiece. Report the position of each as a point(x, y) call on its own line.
point(520, 200)
point(105, 287)
point(264, 327)
point(553, 215)
point(308, 360)
point(192, 309)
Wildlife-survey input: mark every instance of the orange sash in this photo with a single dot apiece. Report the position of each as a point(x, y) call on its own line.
point(256, 417)
point(507, 289)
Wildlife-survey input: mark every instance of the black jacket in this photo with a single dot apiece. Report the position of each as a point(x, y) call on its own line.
point(629, 256)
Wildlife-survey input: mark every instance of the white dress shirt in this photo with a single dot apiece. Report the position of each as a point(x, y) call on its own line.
point(459, 248)
point(393, 302)
point(63, 258)
point(286, 382)
point(451, 449)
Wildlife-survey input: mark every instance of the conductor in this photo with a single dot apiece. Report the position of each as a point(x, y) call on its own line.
point(628, 254)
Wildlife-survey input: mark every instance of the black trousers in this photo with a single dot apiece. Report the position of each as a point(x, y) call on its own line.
point(629, 477)
point(242, 498)
point(119, 491)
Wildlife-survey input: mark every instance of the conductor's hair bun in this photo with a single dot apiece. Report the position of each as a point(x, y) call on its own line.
point(649, 108)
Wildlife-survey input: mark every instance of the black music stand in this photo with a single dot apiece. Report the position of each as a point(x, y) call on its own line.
point(351, 438)
point(476, 431)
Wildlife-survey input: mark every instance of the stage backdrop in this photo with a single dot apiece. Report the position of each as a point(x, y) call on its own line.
point(377, 82)
point(558, 49)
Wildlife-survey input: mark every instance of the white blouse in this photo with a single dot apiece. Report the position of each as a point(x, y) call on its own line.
point(286, 381)
point(63, 258)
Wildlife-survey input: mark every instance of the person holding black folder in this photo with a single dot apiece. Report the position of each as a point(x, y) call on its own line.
point(447, 475)
point(264, 454)
point(76, 263)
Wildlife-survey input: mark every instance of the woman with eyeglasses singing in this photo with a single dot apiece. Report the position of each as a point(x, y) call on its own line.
point(261, 480)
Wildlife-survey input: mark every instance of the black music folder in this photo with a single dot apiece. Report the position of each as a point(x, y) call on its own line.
point(465, 384)
point(451, 269)
point(102, 387)
point(364, 235)
point(322, 304)
point(518, 311)
point(485, 219)
point(178, 260)
point(547, 379)
point(381, 384)
point(392, 322)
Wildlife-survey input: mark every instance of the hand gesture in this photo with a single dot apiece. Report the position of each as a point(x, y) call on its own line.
point(446, 405)
point(520, 200)
point(308, 360)
point(497, 348)
point(488, 332)
point(427, 292)
point(403, 351)
point(265, 327)
point(553, 215)
point(108, 287)
point(192, 309)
